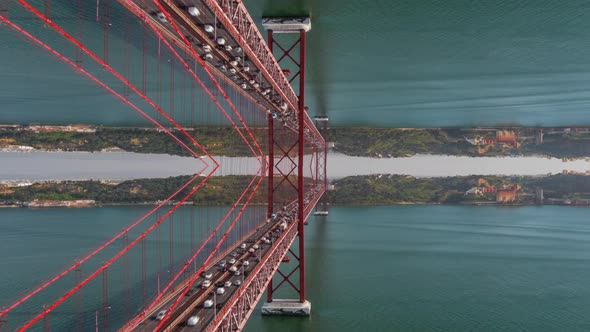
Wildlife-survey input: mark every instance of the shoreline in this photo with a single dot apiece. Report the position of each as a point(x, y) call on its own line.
point(64, 204)
point(12, 206)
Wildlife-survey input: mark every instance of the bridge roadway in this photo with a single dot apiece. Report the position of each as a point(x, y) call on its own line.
point(228, 61)
point(193, 304)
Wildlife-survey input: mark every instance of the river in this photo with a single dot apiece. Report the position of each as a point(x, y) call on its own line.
point(401, 63)
point(387, 268)
point(397, 63)
point(445, 268)
point(41, 165)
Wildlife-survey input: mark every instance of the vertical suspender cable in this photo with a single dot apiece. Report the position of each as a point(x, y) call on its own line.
point(80, 27)
point(143, 273)
point(159, 79)
point(192, 93)
point(106, 25)
point(171, 112)
point(171, 222)
point(79, 301)
point(159, 253)
point(126, 281)
point(48, 8)
point(105, 300)
point(126, 54)
point(144, 61)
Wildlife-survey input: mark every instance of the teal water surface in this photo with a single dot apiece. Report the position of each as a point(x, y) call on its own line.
point(388, 268)
point(40, 243)
point(399, 63)
point(430, 63)
point(445, 268)
point(380, 63)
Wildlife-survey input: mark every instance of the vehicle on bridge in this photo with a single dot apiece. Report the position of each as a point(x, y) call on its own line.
point(161, 315)
point(194, 320)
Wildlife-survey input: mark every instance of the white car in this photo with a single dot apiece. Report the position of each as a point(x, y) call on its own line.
point(208, 304)
point(267, 241)
point(220, 291)
point(194, 11)
point(194, 320)
point(161, 315)
point(251, 250)
point(243, 246)
point(206, 284)
point(263, 238)
point(227, 284)
point(161, 17)
point(208, 275)
point(246, 263)
point(232, 261)
point(255, 247)
point(233, 269)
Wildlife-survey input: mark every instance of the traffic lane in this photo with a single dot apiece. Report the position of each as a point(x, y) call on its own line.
point(206, 315)
point(152, 322)
point(260, 233)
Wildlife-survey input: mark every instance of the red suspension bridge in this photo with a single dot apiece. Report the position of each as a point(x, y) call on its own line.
point(182, 65)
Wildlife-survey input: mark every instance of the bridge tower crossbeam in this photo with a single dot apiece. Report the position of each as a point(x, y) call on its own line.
point(295, 53)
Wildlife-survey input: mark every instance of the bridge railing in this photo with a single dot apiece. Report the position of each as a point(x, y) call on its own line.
point(240, 306)
point(239, 23)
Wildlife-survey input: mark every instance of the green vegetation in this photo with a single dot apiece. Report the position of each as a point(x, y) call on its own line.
point(365, 142)
point(354, 190)
point(400, 189)
point(561, 146)
point(391, 142)
point(215, 191)
point(222, 141)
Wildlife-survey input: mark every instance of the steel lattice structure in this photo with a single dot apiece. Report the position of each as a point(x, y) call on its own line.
point(262, 95)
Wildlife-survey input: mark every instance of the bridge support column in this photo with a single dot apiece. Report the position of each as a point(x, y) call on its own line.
point(286, 307)
point(299, 306)
point(321, 209)
point(271, 167)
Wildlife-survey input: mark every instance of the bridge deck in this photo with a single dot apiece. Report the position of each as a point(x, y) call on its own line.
point(203, 42)
point(192, 305)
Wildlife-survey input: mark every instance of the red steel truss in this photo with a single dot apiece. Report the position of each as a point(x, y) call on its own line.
point(235, 17)
point(240, 306)
point(305, 138)
point(322, 166)
point(299, 165)
point(126, 230)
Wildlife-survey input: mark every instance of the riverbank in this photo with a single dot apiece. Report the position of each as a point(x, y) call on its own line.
point(564, 143)
point(557, 142)
point(561, 189)
point(40, 204)
point(222, 191)
point(221, 141)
